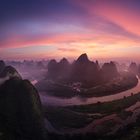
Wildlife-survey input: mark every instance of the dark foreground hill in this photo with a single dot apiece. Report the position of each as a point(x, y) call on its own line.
point(21, 116)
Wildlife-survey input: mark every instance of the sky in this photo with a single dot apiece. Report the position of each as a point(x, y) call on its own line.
point(45, 29)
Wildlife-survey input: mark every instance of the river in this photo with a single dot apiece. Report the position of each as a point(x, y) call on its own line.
point(56, 101)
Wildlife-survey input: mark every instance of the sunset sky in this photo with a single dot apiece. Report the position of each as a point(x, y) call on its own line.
point(44, 29)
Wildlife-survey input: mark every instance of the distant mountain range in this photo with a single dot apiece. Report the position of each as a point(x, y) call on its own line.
point(82, 70)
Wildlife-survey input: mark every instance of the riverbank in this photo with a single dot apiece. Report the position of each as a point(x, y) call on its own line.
point(94, 118)
point(59, 90)
point(54, 101)
point(107, 107)
point(118, 85)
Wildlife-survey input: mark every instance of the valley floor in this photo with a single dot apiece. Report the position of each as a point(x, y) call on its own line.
point(105, 119)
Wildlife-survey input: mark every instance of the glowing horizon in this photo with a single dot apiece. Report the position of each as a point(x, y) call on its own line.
point(46, 29)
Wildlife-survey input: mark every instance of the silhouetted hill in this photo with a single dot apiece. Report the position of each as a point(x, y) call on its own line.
point(52, 69)
point(82, 70)
point(58, 70)
point(21, 116)
point(83, 58)
point(109, 71)
point(2, 65)
point(64, 62)
point(10, 72)
point(63, 69)
point(85, 71)
point(133, 68)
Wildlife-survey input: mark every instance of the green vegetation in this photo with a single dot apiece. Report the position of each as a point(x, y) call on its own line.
point(124, 82)
point(107, 107)
point(79, 116)
point(120, 84)
point(64, 118)
point(55, 89)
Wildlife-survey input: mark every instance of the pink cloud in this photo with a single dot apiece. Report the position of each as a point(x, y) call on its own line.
point(119, 12)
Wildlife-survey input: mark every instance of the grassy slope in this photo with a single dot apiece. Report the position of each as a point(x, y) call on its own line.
point(107, 107)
